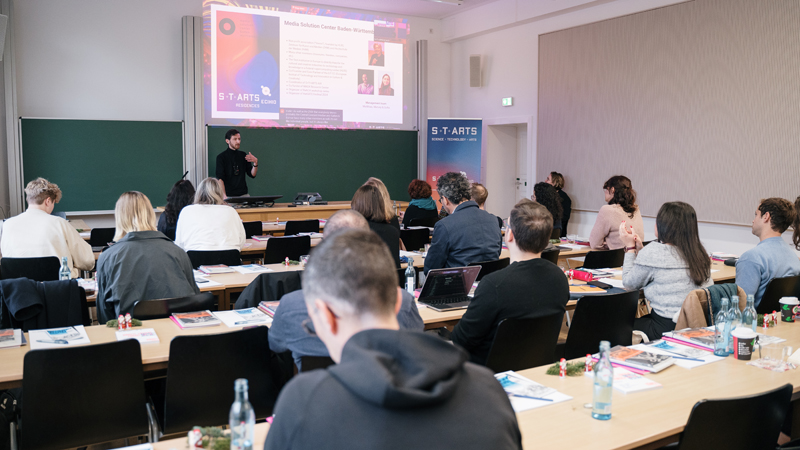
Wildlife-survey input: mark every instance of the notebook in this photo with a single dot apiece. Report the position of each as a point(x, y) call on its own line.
point(448, 289)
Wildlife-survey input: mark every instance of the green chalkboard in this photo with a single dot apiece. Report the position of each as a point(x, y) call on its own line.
point(94, 161)
point(332, 162)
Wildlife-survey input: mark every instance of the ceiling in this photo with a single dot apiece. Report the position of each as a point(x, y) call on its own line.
point(418, 8)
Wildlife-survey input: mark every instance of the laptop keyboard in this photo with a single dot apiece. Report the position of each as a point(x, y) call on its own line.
point(442, 301)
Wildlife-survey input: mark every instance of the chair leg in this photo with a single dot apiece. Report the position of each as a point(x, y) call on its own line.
point(12, 430)
point(154, 431)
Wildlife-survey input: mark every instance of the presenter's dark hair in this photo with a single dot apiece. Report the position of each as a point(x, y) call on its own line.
point(547, 196)
point(796, 225)
point(532, 225)
point(369, 202)
point(419, 189)
point(455, 187)
point(230, 133)
point(624, 195)
point(181, 194)
point(781, 213)
point(676, 224)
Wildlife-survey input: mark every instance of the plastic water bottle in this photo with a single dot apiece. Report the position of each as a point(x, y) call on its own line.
point(736, 314)
point(64, 273)
point(750, 316)
point(411, 276)
point(242, 419)
point(721, 330)
point(603, 381)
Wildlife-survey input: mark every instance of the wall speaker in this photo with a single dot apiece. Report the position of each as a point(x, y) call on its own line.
point(474, 70)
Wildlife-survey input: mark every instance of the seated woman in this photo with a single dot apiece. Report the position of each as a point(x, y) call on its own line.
point(557, 180)
point(667, 270)
point(143, 264)
point(209, 224)
point(621, 207)
point(547, 196)
point(181, 195)
point(369, 202)
point(422, 205)
point(387, 199)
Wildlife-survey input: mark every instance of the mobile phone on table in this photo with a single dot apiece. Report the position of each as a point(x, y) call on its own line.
point(600, 284)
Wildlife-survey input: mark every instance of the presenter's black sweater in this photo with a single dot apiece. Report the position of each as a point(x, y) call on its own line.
point(525, 289)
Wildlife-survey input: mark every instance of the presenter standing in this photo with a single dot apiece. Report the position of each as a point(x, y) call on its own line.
point(233, 164)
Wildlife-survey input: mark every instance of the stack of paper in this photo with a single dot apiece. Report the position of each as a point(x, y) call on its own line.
point(143, 335)
point(526, 394)
point(685, 356)
point(58, 337)
point(626, 381)
point(252, 268)
point(10, 338)
point(243, 317)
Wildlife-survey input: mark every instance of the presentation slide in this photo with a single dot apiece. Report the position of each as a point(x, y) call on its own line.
point(305, 67)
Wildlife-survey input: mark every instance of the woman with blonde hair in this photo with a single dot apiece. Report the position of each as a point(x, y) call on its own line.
point(142, 265)
point(209, 224)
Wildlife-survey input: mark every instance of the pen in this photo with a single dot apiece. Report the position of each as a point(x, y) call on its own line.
point(687, 359)
point(529, 397)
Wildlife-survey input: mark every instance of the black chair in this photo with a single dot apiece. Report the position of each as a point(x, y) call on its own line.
point(78, 396)
point(100, 237)
point(743, 423)
point(253, 229)
point(551, 255)
point(524, 343)
point(294, 227)
point(214, 257)
point(776, 289)
point(201, 373)
point(415, 239)
point(38, 269)
point(164, 307)
point(282, 247)
point(488, 267)
point(601, 318)
point(401, 277)
point(315, 362)
point(424, 222)
point(603, 259)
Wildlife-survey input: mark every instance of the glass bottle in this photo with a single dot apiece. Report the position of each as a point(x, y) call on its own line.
point(750, 316)
point(736, 314)
point(411, 276)
point(721, 329)
point(603, 381)
point(64, 272)
point(242, 419)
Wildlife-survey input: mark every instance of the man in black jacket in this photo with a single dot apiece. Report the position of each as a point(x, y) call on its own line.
point(468, 234)
point(391, 389)
point(530, 287)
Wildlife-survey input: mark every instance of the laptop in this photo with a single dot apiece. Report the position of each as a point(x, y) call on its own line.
point(448, 289)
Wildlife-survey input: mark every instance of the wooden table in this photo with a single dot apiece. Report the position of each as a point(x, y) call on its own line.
point(283, 211)
point(180, 443)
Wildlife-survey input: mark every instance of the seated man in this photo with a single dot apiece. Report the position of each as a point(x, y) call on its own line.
point(772, 257)
point(286, 332)
point(530, 287)
point(479, 196)
point(36, 233)
point(391, 389)
point(467, 234)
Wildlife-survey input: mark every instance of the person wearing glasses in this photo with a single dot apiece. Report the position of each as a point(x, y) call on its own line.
point(390, 388)
point(288, 333)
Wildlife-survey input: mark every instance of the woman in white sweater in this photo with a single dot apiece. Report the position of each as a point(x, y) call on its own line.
point(209, 224)
point(667, 270)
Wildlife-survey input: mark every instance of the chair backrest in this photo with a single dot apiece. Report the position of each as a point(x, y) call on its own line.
point(315, 362)
point(401, 277)
point(602, 259)
point(488, 267)
point(524, 343)
point(214, 257)
point(601, 318)
point(294, 227)
point(743, 423)
point(254, 228)
point(415, 239)
point(38, 269)
point(777, 288)
point(424, 222)
point(551, 255)
point(164, 307)
point(293, 247)
point(83, 395)
point(100, 237)
point(201, 373)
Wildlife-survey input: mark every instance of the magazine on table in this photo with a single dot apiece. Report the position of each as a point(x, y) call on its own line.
point(195, 319)
point(252, 268)
point(639, 359)
point(143, 335)
point(628, 382)
point(218, 268)
point(11, 338)
point(685, 356)
point(243, 317)
point(58, 337)
point(526, 394)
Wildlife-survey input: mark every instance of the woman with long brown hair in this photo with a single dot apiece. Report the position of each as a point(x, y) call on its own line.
point(621, 207)
point(667, 270)
point(369, 202)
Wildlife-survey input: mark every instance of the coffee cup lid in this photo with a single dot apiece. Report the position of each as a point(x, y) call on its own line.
point(744, 333)
point(789, 301)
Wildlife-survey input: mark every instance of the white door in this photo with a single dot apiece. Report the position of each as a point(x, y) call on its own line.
point(502, 168)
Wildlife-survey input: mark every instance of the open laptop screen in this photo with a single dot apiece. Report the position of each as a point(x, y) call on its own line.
point(449, 283)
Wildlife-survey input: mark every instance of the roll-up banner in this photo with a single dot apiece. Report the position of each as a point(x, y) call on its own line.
point(454, 145)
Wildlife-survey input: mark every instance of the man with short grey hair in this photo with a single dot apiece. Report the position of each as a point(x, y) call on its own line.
point(468, 234)
point(286, 332)
point(390, 389)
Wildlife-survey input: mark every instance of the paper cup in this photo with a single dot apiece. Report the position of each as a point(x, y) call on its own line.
point(788, 305)
point(744, 339)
